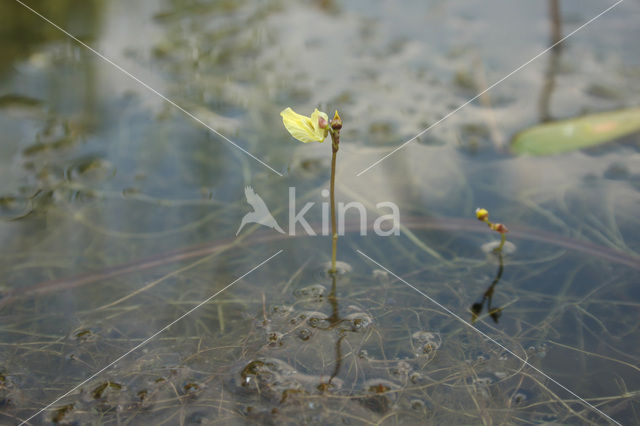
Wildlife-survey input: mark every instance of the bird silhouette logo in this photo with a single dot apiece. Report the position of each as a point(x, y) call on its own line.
point(260, 213)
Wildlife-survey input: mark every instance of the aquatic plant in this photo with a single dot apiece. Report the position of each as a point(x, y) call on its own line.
point(487, 296)
point(315, 129)
point(576, 133)
point(483, 216)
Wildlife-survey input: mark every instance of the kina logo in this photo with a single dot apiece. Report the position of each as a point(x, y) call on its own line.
point(260, 213)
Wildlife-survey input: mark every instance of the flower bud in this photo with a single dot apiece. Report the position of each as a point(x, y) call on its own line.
point(482, 214)
point(336, 122)
point(498, 227)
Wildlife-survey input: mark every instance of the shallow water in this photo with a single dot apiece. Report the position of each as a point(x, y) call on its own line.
point(119, 212)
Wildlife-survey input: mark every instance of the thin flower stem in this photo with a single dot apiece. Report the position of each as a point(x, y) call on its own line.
point(335, 138)
point(503, 238)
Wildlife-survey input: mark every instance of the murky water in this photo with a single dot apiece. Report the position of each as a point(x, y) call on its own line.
point(119, 212)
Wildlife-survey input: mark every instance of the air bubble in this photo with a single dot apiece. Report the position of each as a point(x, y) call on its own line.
point(380, 274)
point(426, 342)
point(483, 381)
point(342, 268)
point(416, 377)
point(275, 338)
point(304, 334)
point(489, 248)
point(521, 396)
point(90, 169)
point(312, 292)
point(14, 207)
point(317, 319)
point(359, 320)
point(283, 310)
point(401, 370)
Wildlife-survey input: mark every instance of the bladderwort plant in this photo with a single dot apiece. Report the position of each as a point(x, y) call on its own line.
point(315, 129)
point(483, 216)
point(476, 308)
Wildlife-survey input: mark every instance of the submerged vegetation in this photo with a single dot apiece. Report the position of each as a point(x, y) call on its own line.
point(118, 216)
point(577, 133)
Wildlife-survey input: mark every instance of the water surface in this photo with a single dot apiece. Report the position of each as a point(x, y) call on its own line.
point(118, 215)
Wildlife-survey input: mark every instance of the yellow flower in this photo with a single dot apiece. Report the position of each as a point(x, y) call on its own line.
point(306, 129)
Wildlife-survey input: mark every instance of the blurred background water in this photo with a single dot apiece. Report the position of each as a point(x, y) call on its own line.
point(118, 213)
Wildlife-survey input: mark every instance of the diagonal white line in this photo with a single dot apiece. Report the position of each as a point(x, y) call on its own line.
point(489, 88)
point(133, 77)
point(144, 342)
point(491, 339)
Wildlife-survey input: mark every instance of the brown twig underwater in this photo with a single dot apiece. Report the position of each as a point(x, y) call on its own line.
point(412, 223)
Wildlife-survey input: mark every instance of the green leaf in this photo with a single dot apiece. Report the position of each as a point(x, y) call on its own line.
point(576, 133)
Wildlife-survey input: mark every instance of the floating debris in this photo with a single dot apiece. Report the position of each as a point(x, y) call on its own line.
point(60, 414)
point(99, 392)
point(191, 389)
point(417, 404)
point(85, 335)
point(382, 396)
